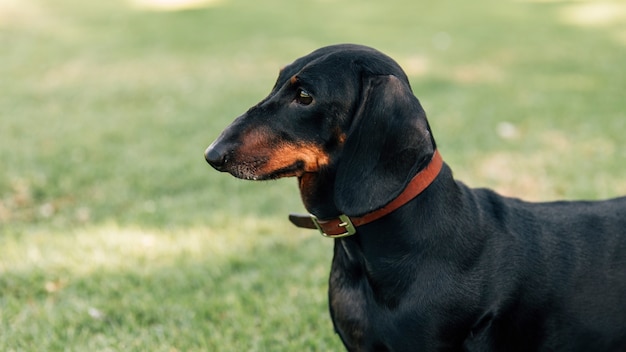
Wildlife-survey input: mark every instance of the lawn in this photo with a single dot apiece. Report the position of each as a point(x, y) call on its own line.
point(115, 235)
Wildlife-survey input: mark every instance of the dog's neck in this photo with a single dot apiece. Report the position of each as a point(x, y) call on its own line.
point(317, 193)
point(406, 238)
point(342, 225)
point(415, 234)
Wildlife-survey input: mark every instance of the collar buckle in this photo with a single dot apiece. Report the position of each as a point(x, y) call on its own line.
point(344, 222)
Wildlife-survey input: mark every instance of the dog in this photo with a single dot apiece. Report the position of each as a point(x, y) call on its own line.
point(421, 261)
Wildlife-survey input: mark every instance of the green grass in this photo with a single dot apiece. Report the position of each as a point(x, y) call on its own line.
point(116, 236)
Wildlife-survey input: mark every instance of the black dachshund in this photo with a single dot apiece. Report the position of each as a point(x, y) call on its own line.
point(421, 261)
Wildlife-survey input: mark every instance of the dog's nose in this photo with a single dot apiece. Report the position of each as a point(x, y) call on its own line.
point(215, 157)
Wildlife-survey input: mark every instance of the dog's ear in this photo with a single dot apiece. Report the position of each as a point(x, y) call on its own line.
point(388, 143)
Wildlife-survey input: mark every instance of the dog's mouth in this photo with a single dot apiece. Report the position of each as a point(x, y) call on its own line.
point(257, 162)
point(256, 170)
point(294, 170)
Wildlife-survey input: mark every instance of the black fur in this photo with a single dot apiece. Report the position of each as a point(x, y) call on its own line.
point(456, 269)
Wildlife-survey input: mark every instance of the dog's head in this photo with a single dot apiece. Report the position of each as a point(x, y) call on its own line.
point(342, 119)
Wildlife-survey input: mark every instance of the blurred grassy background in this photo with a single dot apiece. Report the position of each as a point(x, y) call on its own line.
point(115, 234)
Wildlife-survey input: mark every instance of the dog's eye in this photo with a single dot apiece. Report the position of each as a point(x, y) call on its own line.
point(303, 97)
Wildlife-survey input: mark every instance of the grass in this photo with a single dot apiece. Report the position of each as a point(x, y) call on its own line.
point(116, 236)
point(112, 288)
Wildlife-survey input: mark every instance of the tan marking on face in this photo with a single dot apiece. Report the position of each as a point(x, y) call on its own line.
point(342, 138)
point(265, 155)
point(311, 156)
point(294, 79)
point(255, 139)
point(306, 184)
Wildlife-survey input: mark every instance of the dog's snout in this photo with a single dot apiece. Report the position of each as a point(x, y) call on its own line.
point(216, 157)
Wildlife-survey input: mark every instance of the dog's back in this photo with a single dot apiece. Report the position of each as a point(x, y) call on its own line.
point(558, 274)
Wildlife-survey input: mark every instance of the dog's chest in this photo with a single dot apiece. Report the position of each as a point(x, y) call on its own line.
point(351, 308)
point(396, 312)
point(362, 317)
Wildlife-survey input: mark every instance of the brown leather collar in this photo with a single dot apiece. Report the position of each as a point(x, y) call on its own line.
point(345, 226)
